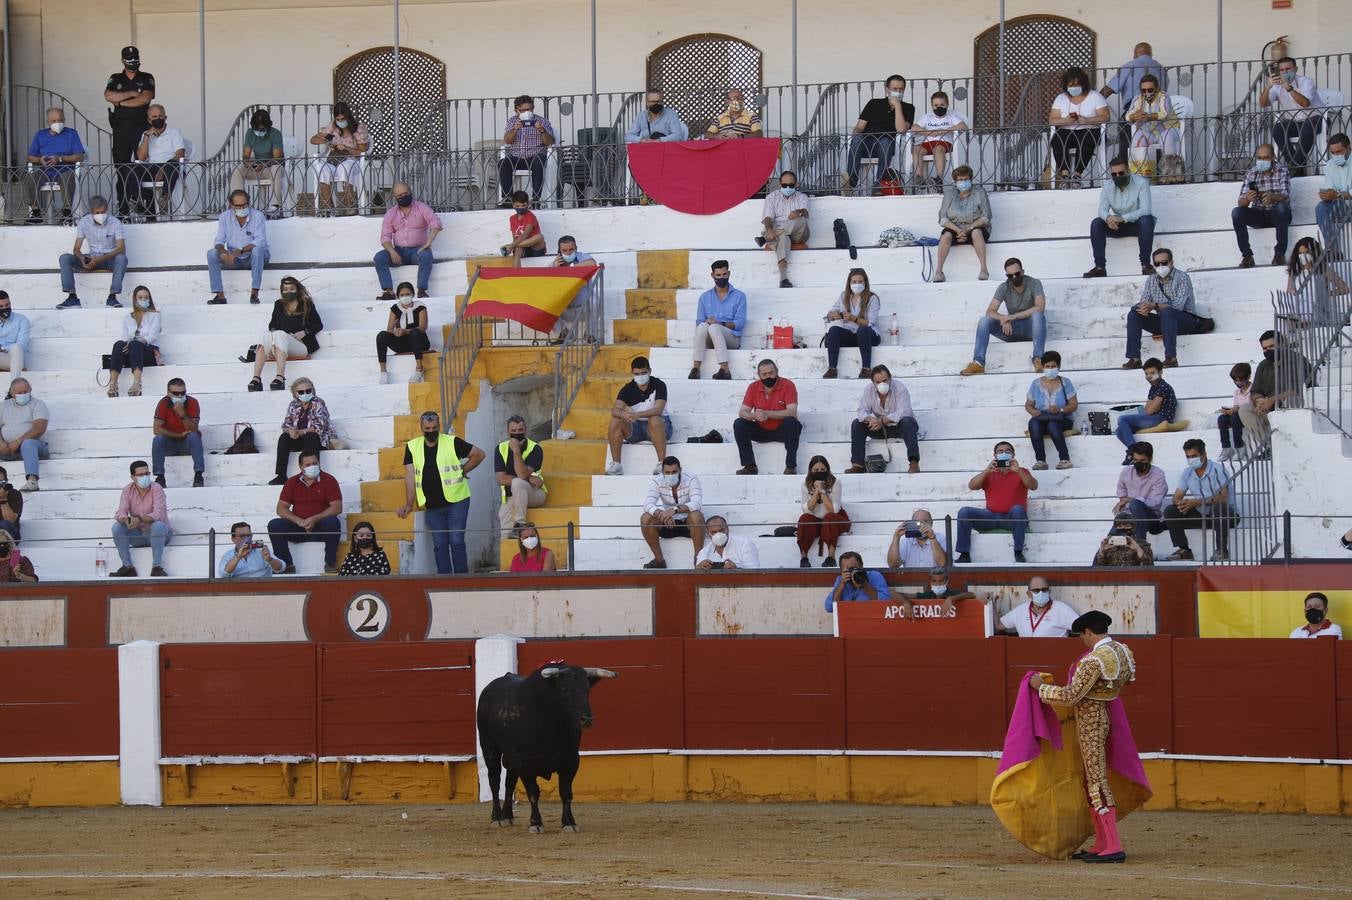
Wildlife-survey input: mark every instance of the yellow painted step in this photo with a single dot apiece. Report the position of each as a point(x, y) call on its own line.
point(658, 303)
point(382, 495)
point(599, 393)
point(508, 549)
point(389, 527)
point(663, 268)
point(644, 332)
point(588, 422)
point(577, 457)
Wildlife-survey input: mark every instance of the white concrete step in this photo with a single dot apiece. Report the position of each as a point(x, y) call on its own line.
point(333, 375)
point(101, 440)
point(111, 473)
point(217, 501)
point(181, 560)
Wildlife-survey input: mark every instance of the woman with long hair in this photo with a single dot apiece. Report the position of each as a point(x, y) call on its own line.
point(292, 331)
point(365, 556)
point(1309, 261)
point(137, 348)
point(823, 520)
point(347, 139)
point(532, 557)
point(852, 321)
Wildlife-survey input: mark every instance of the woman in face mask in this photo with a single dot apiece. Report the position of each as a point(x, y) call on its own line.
point(964, 218)
point(13, 566)
point(405, 332)
point(823, 520)
point(263, 154)
point(1077, 113)
point(1308, 262)
point(1050, 404)
point(292, 332)
point(1154, 124)
point(347, 140)
point(365, 556)
point(852, 321)
point(1317, 621)
point(137, 348)
point(532, 557)
point(307, 427)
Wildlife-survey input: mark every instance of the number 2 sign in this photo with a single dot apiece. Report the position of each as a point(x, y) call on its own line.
point(368, 615)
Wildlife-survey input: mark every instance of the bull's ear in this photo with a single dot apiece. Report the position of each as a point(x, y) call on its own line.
point(550, 672)
point(594, 675)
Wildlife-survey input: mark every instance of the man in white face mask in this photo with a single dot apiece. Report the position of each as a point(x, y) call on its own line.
point(1335, 198)
point(99, 245)
point(52, 157)
point(142, 519)
point(1041, 616)
point(1167, 307)
point(884, 413)
point(23, 422)
point(308, 510)
point(639, 414)
point(673, 508)
point(726, 551)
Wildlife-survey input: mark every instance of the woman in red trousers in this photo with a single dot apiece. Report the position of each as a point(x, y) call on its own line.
point(823, 520)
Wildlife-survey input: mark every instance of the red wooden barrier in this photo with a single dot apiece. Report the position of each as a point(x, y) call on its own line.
point(396, 699)
point(924, 695)
point(57, 702)
point(969, 619)
point(238, 699)
point(1254, 697)
point(644, 708)
point(1343, 697)
point(769, 693)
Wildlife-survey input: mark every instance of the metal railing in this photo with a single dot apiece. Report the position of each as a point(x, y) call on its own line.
point(464, 340)
point(581, 342)
point(29, 115)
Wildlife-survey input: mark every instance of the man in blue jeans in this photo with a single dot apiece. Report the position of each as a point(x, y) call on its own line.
point(1335, 198)
point(406, 236)
point(308, 510)
point(241, 243)
point(1166, 306)
point(177, 431)
point(1124, 211)
point(1161, 405)
point(1006, 485)
point(436, 478)
point(1141, 490)
point(100, 244)
point(1024, 318)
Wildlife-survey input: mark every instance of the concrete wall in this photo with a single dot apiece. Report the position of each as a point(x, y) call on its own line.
point(70, 46)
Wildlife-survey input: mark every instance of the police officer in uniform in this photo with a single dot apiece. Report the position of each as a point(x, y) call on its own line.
point(130, 92)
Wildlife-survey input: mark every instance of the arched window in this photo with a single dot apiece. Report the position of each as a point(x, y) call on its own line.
point(1037, 50)
point(696, 71)
point(365, 81)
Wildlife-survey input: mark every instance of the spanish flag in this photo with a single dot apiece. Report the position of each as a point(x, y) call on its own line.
point(534, 297)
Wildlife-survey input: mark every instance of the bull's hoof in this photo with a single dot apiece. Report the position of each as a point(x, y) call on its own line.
point(537, 829)
point(503, 823)
point(573, 828)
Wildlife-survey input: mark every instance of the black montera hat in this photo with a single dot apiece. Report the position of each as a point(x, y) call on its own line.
point(1092, 621)
point(130, 52)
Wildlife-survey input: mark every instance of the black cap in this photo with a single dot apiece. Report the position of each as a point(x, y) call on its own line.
point(1093, 621)
point(132, 53)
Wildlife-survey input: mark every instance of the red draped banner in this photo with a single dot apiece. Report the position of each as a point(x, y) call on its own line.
point(703, 177)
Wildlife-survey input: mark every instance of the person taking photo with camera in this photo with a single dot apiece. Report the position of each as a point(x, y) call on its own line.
point(856, 583)
point(1006, 485)
point(247, 558)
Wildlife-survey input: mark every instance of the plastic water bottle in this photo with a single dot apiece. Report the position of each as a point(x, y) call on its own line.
point(769, 332)
point(1084, 429)
point(894, 332)
point(101, 561)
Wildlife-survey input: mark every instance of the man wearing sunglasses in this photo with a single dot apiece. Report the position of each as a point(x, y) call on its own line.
point(177, 431)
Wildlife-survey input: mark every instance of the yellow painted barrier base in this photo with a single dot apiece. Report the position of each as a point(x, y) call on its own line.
point(1260, 787)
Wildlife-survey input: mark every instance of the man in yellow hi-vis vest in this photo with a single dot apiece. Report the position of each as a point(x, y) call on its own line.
point(517, 465)
point(436, 478)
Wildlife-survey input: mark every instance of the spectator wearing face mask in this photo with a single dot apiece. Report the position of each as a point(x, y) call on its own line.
point(293, 330)
point(1154, 123)
point(436, 478)
point(719, 320)
point(1141, 490)
point(1161, 405)
point(241, 243)
point(1024, 318)
point(1077, 115)
point(11, 506)
point(178, 431)
point(856, 583)
point(1318, 623)
point(1006, 485)
point(14, 567)
point(1051, 405)
point(159, 160)
point(106, 251)
point(1121, 547)
point(14, 336)
point(784, 219)
point(1299, 110)
point(724, 550)
point(528, 138)
point(568, 257)
point(824, 519)
point(657, 122)
point(1228, 421)
point(1124, 210)
point(1264, 202)
point(405, 332)
point(1201, 500)
point(364, 557)
point(527, 240)
point(935, 589)
point(915, 545)
point(1041, 616)
point(263, 152)
point(1265, 393)
point(672, 508)
point(138, 347)
point(1335, 197)
point(964, 218)
point(308, 510)
point(639, 414)
point(142, 519)
point(406, 236)
point(129, 91)
point(23, 422)
point(52, 156)
point(1310, 263)
point(531, 557)
point(852, 321)
point(517, 466)
point(769, 413)
point(345, 141)
point(884, 413)
point(937, 130)
point(880, 121)
point(307, 427)
point(247, 558)
point(737, 122)
point(1166, 307)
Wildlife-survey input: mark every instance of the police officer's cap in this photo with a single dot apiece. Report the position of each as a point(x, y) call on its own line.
point(1093, 621)
point(131, 53)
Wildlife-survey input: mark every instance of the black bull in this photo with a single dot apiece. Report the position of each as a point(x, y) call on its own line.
point(532, 725)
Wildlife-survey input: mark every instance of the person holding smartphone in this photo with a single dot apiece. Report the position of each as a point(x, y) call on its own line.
point(1006, 485)
point(14, 567)
point(247, 558)
point(1121, 548)
point(915, 545)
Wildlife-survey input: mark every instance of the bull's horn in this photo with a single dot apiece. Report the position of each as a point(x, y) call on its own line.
point(600, 673)
point(550, 672)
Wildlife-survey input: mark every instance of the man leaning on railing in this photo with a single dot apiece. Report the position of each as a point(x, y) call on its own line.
point(1334, 209)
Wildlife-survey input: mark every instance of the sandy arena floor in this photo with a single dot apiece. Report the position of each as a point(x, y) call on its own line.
point(666, 850)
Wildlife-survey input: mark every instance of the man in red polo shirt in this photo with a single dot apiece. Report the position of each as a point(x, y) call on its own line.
point(1006, 484)
point(177, 432)
point(308, 510)
point(769, 413)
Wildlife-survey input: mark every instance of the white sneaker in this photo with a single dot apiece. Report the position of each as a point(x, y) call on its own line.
point(415, 378)
point(657, 469)
point(1226, 455)
point(30, 484)
point(614, 469)
point(384, 378)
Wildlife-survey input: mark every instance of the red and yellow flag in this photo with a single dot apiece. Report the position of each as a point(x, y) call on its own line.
point(534, 297)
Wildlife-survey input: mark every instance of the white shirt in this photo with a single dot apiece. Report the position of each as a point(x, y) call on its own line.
point(1090, 105)
point(944, 124)
point(662, 497)
point(738, 549)
point(915, 555)
point(1333, 631)
point(1055, 622)
point(163, 147)
point(1282, 101)
point(147, 333)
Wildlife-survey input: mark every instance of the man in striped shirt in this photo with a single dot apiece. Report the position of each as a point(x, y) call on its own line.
point(1264, 202)
point(737, 122)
